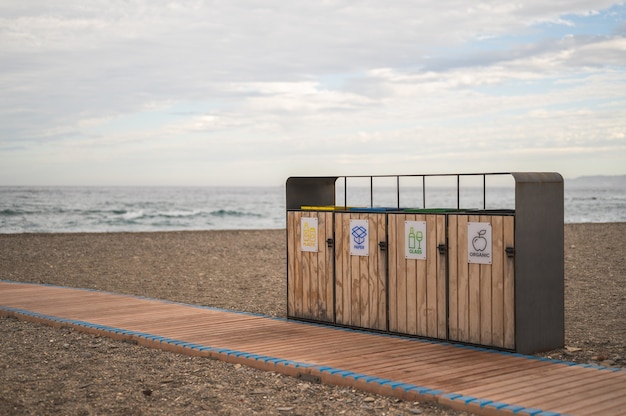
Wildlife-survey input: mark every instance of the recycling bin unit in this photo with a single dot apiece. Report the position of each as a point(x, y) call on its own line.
point(483, 277)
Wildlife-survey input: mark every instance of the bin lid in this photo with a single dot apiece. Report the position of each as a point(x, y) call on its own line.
point(373, 209)
point(431, 210)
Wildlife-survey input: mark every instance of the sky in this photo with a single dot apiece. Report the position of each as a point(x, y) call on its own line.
point(244, 93)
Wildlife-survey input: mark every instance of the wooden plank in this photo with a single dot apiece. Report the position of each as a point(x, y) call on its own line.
point(298, 265)
point(485, 296)
point(453, 285)
point(317, 260)
point(346, 271)
point(431, 275)
point(368, 266)
point(382, 281)
point(421, 276)
point(340, 259)
point(330, 269)
point(355, 282)
point(291, 271)
point(307, 259)
point(442, 305)
point(361, 276)
point(497, 281)
point(474, 294)
point(488, 376)
point(609, 402)
point(509, 284)
point(314, 277)
point(397, 291)
point(463, 280)
point(508, 378)
point(412, 311)
point(317, 302)
point(393, 249)
point(401, 265)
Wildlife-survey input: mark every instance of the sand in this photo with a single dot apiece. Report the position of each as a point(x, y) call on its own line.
point(245, 271)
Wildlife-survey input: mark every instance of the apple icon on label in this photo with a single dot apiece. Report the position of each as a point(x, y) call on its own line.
point(480, 242)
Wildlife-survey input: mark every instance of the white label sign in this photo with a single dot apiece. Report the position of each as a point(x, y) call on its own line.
point(359, 238)
point(415, 240)
point(308, 234)
point(479, 242)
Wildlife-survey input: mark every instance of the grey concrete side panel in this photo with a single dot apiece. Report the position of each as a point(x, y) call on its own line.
point(539, 262)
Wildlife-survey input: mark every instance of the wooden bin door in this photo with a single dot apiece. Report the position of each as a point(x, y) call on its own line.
point(310, 265)
point(360, 282)
point(417, 286)
point(481, 296)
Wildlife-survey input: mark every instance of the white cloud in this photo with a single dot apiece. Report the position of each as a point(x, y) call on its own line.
point(304, 86)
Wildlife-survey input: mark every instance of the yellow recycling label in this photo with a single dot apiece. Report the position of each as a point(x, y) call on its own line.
point(308, 234)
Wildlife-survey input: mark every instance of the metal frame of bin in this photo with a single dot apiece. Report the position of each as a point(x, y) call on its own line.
point(537, 251)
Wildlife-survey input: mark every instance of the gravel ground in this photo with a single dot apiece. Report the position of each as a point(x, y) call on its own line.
point(50, 371)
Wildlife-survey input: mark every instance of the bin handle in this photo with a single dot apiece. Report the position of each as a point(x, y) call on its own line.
point(441, 248)
point(382, 245)
point(329, 243)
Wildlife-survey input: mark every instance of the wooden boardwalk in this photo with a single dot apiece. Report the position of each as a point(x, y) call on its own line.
point(473, 379)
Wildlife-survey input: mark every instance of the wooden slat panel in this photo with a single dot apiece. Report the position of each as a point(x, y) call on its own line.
point(453, 285)
point(354, 277)
point(418, 287)
point(329, 286)
point(318, 273)
point(310, 290)
point(299, 278)
point(485, 296)
point(413, 291)
point(312, 279)
point(365, 277)
point(343, 280)
point(483, 293)
point(442, 262)
point(340, 259)
point(291, 261)
point(305, 311)
point(474, 294)
point(403, 272)
point(361, 280)
point(463, 280)
point(398, 292)
point(509, 283)
point(431, 275)
point(393, 250)
point(497, 281)
point(381, 285)
point(372, 273)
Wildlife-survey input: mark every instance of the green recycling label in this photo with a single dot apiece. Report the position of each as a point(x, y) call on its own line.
point(415, 240)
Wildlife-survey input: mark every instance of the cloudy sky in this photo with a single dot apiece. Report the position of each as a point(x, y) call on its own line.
point(250, 92)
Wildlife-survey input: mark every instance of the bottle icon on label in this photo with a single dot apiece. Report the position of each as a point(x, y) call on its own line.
point(419, 238)
point(412, 238)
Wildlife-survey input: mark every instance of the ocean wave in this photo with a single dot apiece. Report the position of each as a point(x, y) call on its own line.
point(132, 215)
point(11, 212)
point(233, 213)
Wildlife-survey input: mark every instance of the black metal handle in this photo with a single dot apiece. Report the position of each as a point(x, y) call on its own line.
point(382, 245)
point(510, 251)
point(329, 242)
point(441, 248)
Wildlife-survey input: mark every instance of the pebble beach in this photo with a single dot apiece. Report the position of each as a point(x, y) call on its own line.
point(46, 370)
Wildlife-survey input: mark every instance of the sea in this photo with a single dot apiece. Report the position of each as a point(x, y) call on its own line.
point(140, 209)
